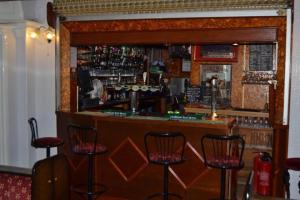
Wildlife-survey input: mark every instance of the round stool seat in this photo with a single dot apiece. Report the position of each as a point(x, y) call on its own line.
point(88, 148)
point(226, 163)
point(165, 148)
point(84, 140)
point(47, 142)
point(293, 164)
point(162, 159)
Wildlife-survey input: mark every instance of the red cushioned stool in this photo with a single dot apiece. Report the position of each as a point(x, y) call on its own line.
point(84, 141)
point(165, 148)
point(290, 164)
point(223, 152)
point(43, 142)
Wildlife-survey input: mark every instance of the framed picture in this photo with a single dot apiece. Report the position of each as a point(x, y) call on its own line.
point(262, 57)
point(215, 53)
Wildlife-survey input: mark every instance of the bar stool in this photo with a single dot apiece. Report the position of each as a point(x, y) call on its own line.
point(290, 164)
point(165, 148)
point(84, 141)
point(223, 152)
point(43, 142)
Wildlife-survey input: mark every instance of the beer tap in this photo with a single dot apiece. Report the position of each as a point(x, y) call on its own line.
point(214, 85)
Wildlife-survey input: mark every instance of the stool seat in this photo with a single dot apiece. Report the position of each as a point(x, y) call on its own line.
point(47, 142)
point(224, 152)
point(84, 141)
point(290, 164)
point(88, 148)
point(230, 162)
point(165, 148)
point(162, 159)
point(42, 142)
point(293, 164)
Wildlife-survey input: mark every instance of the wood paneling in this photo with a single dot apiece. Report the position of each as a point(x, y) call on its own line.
point(222, 30)
point(279, 152)
point(65, 75)
point(227, 36)
point(124, 170)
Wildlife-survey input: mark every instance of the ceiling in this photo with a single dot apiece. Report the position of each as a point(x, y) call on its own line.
point(96, 7)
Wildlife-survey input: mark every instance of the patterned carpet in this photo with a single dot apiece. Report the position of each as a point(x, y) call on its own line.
point(15, 187)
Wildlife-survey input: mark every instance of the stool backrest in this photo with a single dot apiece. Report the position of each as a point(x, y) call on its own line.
point(34, 129)
point(223, 151)
point(83, 139)
point(165, 147)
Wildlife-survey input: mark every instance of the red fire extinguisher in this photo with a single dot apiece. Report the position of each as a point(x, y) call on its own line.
point(262, 168)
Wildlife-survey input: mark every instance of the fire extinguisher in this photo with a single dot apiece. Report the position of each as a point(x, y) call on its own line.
point(262, 168)
point(265, 172)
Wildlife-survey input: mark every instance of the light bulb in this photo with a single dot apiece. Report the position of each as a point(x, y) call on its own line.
point(49, 36)
point(33, 34)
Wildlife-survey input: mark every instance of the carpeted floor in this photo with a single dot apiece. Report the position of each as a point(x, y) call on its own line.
point(15, 187)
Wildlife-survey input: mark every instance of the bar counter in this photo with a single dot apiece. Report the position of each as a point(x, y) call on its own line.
point(124, 169)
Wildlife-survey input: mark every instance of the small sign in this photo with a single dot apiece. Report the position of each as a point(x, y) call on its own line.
point(193, 94)
point(261, 57)
point(186, 65)
point(216, 53)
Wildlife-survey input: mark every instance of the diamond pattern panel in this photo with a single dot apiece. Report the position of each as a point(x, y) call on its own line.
point(191, 170)
point(75, 162)
point(128, 159)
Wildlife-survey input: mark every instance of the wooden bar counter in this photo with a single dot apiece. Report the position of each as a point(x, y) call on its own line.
point(124, 169)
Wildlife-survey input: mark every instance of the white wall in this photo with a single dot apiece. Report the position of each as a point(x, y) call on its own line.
point(2, 147)
point(11, 11)
point(14, 11)
point(27, 82)
point(294, 133)
point(42, 85)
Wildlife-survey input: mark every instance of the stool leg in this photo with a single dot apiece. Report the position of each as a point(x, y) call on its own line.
point(286, 180)
point(48, 152)
point(166, 182)
point(223, 178)
point(90, 177)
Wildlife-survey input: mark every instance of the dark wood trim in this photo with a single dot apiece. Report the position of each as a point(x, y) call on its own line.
point(198, 36)
point(51, 15)
point(279, 152)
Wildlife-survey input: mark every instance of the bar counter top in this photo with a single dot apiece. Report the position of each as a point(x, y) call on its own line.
point(184, 121)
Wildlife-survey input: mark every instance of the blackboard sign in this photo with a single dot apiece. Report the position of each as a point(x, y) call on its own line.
point(261, 57)
point(193, 94)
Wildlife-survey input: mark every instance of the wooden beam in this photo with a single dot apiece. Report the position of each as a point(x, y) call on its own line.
point(200, 36)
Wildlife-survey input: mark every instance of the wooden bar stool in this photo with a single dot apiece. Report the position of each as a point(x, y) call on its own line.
point(290, 164)
point(223, 152)
point(84, 141)
point(43, 142)
point(165, 148)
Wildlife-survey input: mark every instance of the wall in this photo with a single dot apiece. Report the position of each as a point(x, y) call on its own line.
point(27, 82)
point(14, 11)
point(294, 137)
point(2, 143)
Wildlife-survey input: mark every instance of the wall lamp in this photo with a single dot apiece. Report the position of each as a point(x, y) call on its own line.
point(47, 33)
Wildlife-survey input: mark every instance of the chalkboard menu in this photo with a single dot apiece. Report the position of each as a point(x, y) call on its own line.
point(261, 57)
point(193, 94)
